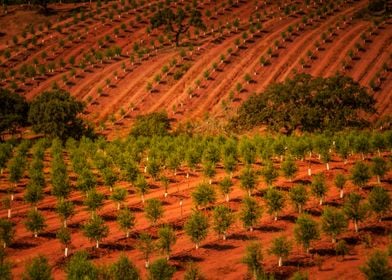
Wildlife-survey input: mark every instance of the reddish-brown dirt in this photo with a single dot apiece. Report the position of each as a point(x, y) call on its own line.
point(127, 96)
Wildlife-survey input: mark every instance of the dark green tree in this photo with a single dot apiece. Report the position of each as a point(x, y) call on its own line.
point(299, 196)
point(203, 195)
point(146, 245)
point(167, 238)
point(289, 168)
point(305, 231)
point(161, 270)
point(333, 222)
point(93, 201)
point(250, 213)
point(223, 218)
point(269, 173)
point(95, 229)
point(7, 232)
point(281, 248)
point(379, 201)
point(141, 186)
point(360, 174)
point(80, 267)
point(56, 114)
point(225, 187)
point(340, 182)
point(126, 220)
point(248, 180)
point(65, 209)
point(319, 187)
point(35, 222)
point(354, 209)
point(118, 196)
point(377, 267)
point(275, 202)
point(38, 269)
point(13, 111)
point(196, 227)
point(253, 258)
point(64, 236)
point(123, 268)
point(379, 168)
point(153, 210)
point(177, 22)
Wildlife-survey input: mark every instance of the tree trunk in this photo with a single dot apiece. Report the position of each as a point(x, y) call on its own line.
point(280, 262)
point(118, 205)
point(227, 197)
point(65, 223)
point(66, 252)
point(378, 179)
point(321, 201)
point(210, 181)
point(251, 229)
point(143, 198)
point(276, 216)
point(12, 197)
point(327, 166)
point(197, 246)
point(224, 236)
point(35, 234)
point(341, 193)
point(356, 225)
point(9, 213)
point(249, 193)
point(165, 194)
point(97, 244)
point(333, 240)
point(309, 171)
point(299, 209)
point(147, 263)
point(4, 245)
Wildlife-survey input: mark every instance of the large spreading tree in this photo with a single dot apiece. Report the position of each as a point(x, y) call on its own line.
point(177, 22)
point(56, 114)
point(308, 104)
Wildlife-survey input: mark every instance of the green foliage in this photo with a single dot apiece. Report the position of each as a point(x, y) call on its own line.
point(35, 222)
point(5, 266)
point(340, 182)
point(7, 232)
point(153, 210)
point(226, 186)
point(177, 22)
point(55, 114)
point(79, 267)
point(299, 196)
point(360, 174)
point(86, 180)
point(253, 258)
point(37, 269)
point(13, 111)
point(377, 267)
point(250, 213)
point(319, 187)
point(126, 220)
point(203, 195)
point(123, 268)
point(95, 229)
point(333, 222)
point(64, 236)
point(281, 248)
point(305, 231)
point(154, 124)
point(354, 209)
point(93, 200)
point(300, 276)
point(248, 179)
point(118, 196)
point(196, 227)
point(223, 218)
point(379, 168)
point(289, 168)
point(65, 209)
point(307, 103)
point(275, 201)
point(141, 186)
point(379, 201)
point(167, 238)
point(192, 272)
point(161, 270)
point(269, 173)
point(146, 245)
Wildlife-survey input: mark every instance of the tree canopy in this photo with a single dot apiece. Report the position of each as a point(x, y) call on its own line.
point(307, 103)
point(177, 22)
point(13, 111)
point(55, 114)
point(154, 124)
